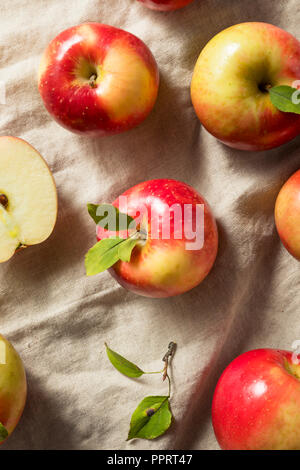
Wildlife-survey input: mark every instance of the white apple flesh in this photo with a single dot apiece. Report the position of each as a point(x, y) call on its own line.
point(28, 198)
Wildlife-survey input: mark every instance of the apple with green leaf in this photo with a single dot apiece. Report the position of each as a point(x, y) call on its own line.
point(287, 215)
point(256, 404)
point(98, 80)
point(165, 5)
point(162, 240)
point(13, 388)
point(28, 199)
point(244, 86)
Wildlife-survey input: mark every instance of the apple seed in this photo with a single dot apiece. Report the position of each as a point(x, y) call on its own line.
point(3, 200)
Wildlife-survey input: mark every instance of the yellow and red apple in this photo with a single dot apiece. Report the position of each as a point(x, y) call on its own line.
point(13, 388)
point(165, 5)
point(231, 80)
point(163, 265)
point(28, 199)
point(98, 80)
point(287, 215)
point(256, 404)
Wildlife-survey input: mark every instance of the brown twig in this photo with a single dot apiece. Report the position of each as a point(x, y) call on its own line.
point(169, 354)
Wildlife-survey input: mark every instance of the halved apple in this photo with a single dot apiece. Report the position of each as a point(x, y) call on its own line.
point(28, 198)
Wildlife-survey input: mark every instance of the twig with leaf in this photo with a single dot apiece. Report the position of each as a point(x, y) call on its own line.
point(153, 416)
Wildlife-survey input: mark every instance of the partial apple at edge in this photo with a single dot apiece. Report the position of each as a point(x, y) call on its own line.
point(29, 199)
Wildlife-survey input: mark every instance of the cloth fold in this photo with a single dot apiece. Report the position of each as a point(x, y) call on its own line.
point(58, 319)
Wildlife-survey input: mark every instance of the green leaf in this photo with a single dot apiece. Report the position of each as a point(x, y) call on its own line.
point(118, 221)
point(151, 418)
point(107, 252)
point(285, 98)
point(125, 249)
point(122, 365)
point(3, 433)
point(103, 255)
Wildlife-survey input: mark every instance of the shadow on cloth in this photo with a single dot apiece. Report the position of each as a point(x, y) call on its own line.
point(241, 325)
point(41, 408)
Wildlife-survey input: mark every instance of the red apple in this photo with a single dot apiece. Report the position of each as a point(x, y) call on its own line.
point(256, 404)
point(98, 80)
point(165, 5)
point(164, 265)
point(13, 388)
point(231, 80)
point(287, 214)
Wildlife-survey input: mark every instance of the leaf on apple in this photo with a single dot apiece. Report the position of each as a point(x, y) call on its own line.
point(109, 251)
point(151, 418)
point(101, 212)
point(123, 365)
point(125, 249)
point(285, 98)
point(102, 256)
point(3, 432)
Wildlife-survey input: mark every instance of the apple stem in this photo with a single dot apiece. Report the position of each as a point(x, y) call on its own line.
point(264, 87)
point(92, 81)
point(3, 200)
point(155, 372)
point(169, 380)
point(169, 354)
point(166, 359)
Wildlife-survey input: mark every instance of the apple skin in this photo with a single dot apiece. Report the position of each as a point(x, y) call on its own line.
point(287, 215)
point(164, 268)
point(165, 5)
point(13, 386)
point(256, 404)
point(225, 85)
point(122, 95)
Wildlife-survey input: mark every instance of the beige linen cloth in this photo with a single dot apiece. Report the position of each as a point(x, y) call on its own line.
point(58, 319)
